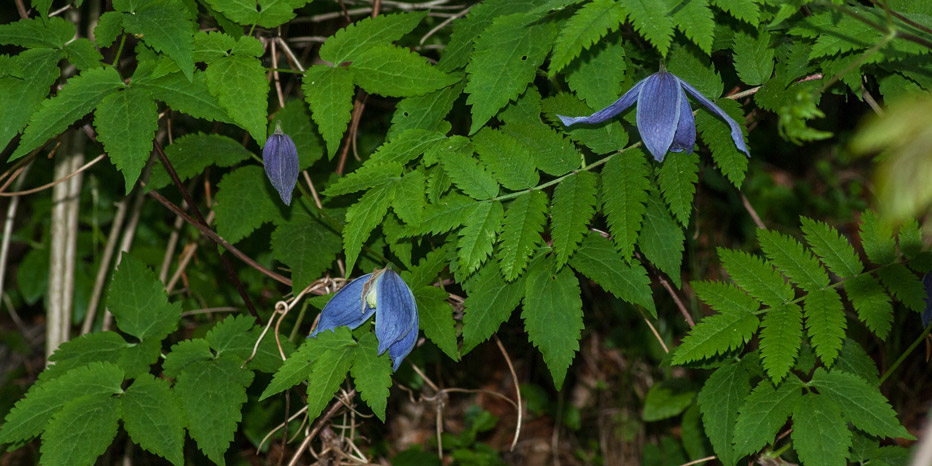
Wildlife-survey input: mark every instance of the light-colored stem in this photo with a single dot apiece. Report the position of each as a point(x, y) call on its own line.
point(8, 226)
point(104, 268)
point(128, 235)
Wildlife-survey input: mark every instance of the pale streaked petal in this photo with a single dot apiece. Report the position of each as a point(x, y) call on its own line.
point(346, 308)
point(401, 348)
point(736, 135)
point(658, 112)
point(396, 311)
point(619, 106)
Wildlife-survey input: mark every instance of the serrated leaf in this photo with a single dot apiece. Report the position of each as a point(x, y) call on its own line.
point(832, 248)
point(553, 317)
point(503, 63)
point(745, 10)
point(348, 43)
point(692, 66)
point(719, 400)
point(19, 98)
point(489, 302)
point(871, 302)
point(861, 403)
point(753, 57)
point(467, 30)
point(449, 213)
point(361, 218)
point(232, 336)
point(904, 285)
point(409, 201)
point(152, 417)
point(781, 331)
point(666, 399)
point(854, 360)
point(588, 77)
point(270, 13)
point(372, 374)
point(392, 71)
point(83, 55)
point(407, 145)
point(244, 203)
point(108, 28)
point(329, 93)
point(307, 246)
point(101, 347)
point(651, 20)
point(81, 431)
point(725, 297)
point(717, 334)
point(677, 179)
point(909, 238)
point(757, 276)
point(166, 28)
point(138, 301)
point(211, 394)
point(524, 221)
point(77, 98)
point(424, 112)
point(794, 260)
point(697, 22)
point(717, 135)
point(553, 154)
point(877, 239)
point(623, 193)
point(190, 97)
point(763, 413)
point(820, 435)
point(477, 236)
point(43, 400)
point(52, 32)
point(329, 371)
point(662, 239)
point(469, 174)
point(126, 122)
point(300, 363)
point(192, 153)
point(510, 161)
point(185, 353)
point(436, 319)
point(584, 29)
point(597, 259)
point(573, 206)
point(370, 175)
point(825, 323)
point(239, 84)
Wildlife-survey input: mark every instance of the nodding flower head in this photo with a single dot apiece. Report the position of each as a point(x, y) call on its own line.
point(384, 294)
point(664, 117)
point(280, 157)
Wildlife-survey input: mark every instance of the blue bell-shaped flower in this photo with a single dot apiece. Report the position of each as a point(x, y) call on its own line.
point(664, 117)
point(384, 294)
point(280, 157)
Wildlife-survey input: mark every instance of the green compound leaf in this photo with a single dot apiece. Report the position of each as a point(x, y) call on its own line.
point(753, 57)
point(152, 417)
point(192, 153)
point(854, 360)
point(409, 202)
point(832, 248)
point(271, 13)
point(904, 285)
point(490, 300)
point(407, 145)
point(239, 84)
point(677, 179)
point(29, 416)
point(745, 10)
point(584, 29)
point(307, 246)
point(467, 30)
point(361, 218)
point(37, 32)
point(588, 79)
point(872, 303)
point(720, 333)
point(232, 336)
point(794, 260)
point(510, 161)
point(825, 323)
point(469, 174)
point(757, 276)
point(92, 347)
point(573, 206)
point(719, 400)
point(666, 399)
point(662, 239)
point(860, 402)
point(126, 122)
point(696, 21)
point(780, 337)
point(109, 26)
point(372, 374)
point(425, 112)
point(436, 318)
point(820, 434)
point(506, 56)
point(83, 55)
point(81, 431)
point(396, 72)
point(185, 353)
point(190, 97)
point(877, 239)
point(329, 371)
point(447, 214)
point(623, 192)
point(329, 93)
point(524, 221)
point(370, 175)
point(19, 97)
point(478, 235)
point(553, 316)
point(553, 154)
point(77, 98)
point(597, 259)
point(138, 301)
point(651, 20)
point(300, 363)
point(349, 43)
point(763, 413)
point(717, 135)
point(245, 201)
point(166, 28)
point(211, 394)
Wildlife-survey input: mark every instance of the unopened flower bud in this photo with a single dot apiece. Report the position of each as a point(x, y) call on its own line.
point(280, 157)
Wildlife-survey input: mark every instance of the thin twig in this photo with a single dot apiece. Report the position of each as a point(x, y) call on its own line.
point(23, 13)
point(320, 424)
point(60, 180)
point(104, 267)
point(699, 461)
point(443, 24)
point(278, 83)
point(654, 331)
point(8, 227)
point(292, 59)
point(751, 211)
point(514, 376)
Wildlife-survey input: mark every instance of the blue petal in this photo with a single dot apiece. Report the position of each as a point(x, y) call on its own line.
point(619, 106)
point(401, 348)
point(280, 157)
point(347, 308)
point(659, 112)
point(396, 312)
point(736, 135)
point(685, 137)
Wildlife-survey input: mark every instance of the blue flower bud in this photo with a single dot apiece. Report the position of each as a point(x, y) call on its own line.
point(280, 157)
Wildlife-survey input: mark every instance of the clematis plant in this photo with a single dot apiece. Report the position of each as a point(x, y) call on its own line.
point(384, 294)
point(280, 157)
point(664, 117)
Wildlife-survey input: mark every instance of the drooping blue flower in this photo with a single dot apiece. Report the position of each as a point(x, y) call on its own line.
point(384, 294)
point(280, 157)
point(664, 117)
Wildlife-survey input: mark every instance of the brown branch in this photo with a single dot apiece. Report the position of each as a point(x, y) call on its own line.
point(320, 424)
point(23, 13)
